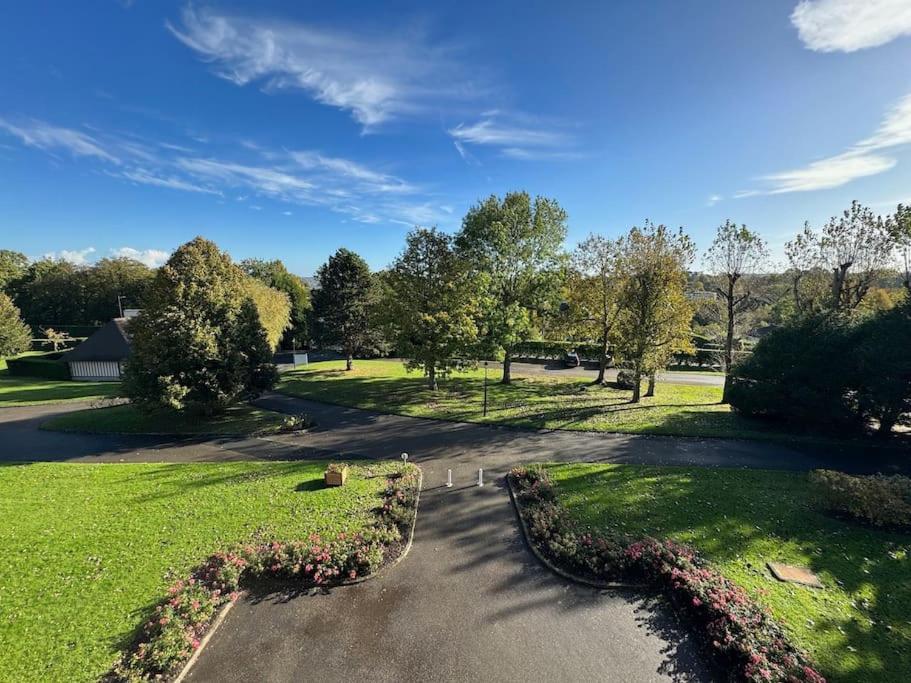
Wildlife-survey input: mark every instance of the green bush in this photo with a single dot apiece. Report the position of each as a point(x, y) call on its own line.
point(801, 372)
point(880, 500)
point(45, 366)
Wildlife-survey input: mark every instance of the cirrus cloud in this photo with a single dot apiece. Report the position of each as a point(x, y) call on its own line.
point(850, 25)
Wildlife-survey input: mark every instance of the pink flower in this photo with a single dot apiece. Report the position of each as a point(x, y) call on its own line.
point(195, 643)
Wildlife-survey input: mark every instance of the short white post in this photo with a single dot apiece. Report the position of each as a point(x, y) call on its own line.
point(480, 477)
point(449, 479)
point(404, 457)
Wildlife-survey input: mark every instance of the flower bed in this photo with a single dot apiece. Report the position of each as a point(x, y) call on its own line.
point(180, 621)
point(740, 634)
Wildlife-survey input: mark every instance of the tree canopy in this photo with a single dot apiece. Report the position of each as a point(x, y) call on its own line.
point(198, 344)
point(434, 302)
point(276, 275)
point(15, 336)
point(517, 244)
point(341, 305)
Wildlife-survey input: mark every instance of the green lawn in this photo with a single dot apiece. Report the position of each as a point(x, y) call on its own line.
point(27, 391)
point(88, 549)
point(857, 628)
point(548, 403)
point(125, 419)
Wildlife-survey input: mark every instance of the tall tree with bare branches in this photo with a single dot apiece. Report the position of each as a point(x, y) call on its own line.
point(735, 254)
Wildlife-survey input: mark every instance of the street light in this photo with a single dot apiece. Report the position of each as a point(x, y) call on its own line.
point(485, 387)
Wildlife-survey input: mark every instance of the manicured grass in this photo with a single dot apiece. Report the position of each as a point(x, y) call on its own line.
point(857, 628)
point(544, 403)
point(125, 419)
point(88, 549)
point(26, 391)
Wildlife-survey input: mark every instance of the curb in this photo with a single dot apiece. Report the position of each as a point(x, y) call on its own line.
point(603, 585)
point(220, 617)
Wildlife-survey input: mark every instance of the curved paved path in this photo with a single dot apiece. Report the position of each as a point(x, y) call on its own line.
point(470, 602)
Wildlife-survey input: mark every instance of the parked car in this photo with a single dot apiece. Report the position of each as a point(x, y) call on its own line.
point(571, 360)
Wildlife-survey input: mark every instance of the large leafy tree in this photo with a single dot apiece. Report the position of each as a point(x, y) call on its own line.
point(900, 226)
point(341, 305)
point(276, 275)
point(198, 345)
point(516, 243)
point(13, 265)
point(15, 335)
point(736, 254)
point(433, 299)
point(273, 308)
point(51, 294)
point(593, 289)
point(655, 316)
point(111, 283)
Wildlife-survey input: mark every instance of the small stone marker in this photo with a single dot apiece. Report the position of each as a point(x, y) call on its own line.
point(792, 574)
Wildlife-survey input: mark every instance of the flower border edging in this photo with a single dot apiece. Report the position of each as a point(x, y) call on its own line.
point(167, 646)
point(382, 571)
point(602, 585)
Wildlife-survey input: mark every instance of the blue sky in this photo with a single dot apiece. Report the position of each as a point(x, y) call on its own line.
point(289, 129)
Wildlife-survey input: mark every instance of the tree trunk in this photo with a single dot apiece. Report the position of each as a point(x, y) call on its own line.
point(349, 362)
point(602, 362)
point(886, 422)
point(637, 387)
point(432, 376)
point(729, 341)
point(651, 385)
point(507, 367)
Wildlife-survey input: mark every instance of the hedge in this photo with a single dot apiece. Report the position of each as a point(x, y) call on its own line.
point(45, 366)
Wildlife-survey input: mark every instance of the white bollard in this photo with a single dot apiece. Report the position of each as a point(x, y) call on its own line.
point(404, 457)
point(480, 477)
point(449, 479)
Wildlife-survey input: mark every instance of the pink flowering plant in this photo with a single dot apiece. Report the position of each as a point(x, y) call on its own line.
point(178, 624)
point(740, 634)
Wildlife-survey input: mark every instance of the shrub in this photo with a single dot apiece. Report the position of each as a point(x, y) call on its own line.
point(44, 366)
point(297, 423)
point(800, 372)
point(626, 378)
point(880, 500)
point(738, 631)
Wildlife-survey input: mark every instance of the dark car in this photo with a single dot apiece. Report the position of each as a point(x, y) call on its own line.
point(571, 359)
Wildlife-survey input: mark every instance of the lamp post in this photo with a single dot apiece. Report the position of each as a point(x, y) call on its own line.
point(485, 387)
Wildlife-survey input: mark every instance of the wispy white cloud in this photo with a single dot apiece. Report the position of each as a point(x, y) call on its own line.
point(850, 25)
point(865, 158)
point(713, 199)
point(50, 138)
point(153, 258)
point(828, 173)
point(516, 137)
point(348, 170)
point(376, 78)
point(171, 182)
point(78, 257)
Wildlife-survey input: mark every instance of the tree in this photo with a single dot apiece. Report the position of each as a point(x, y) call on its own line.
point(15, 336)
point(594, 286)
point(273, 308)
point(55, 337)
point(52, 292)
point(736, 253)
point(341, 304)
point(854, 248)
point(654, 322)
point(276, 275)
point(13, 265)
point(434, 301)
point(112, 283)
point(900, 226)
point(198, 345)
point(517, 245)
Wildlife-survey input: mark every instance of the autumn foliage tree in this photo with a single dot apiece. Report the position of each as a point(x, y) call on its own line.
point(15, 335)
point(655, 315)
